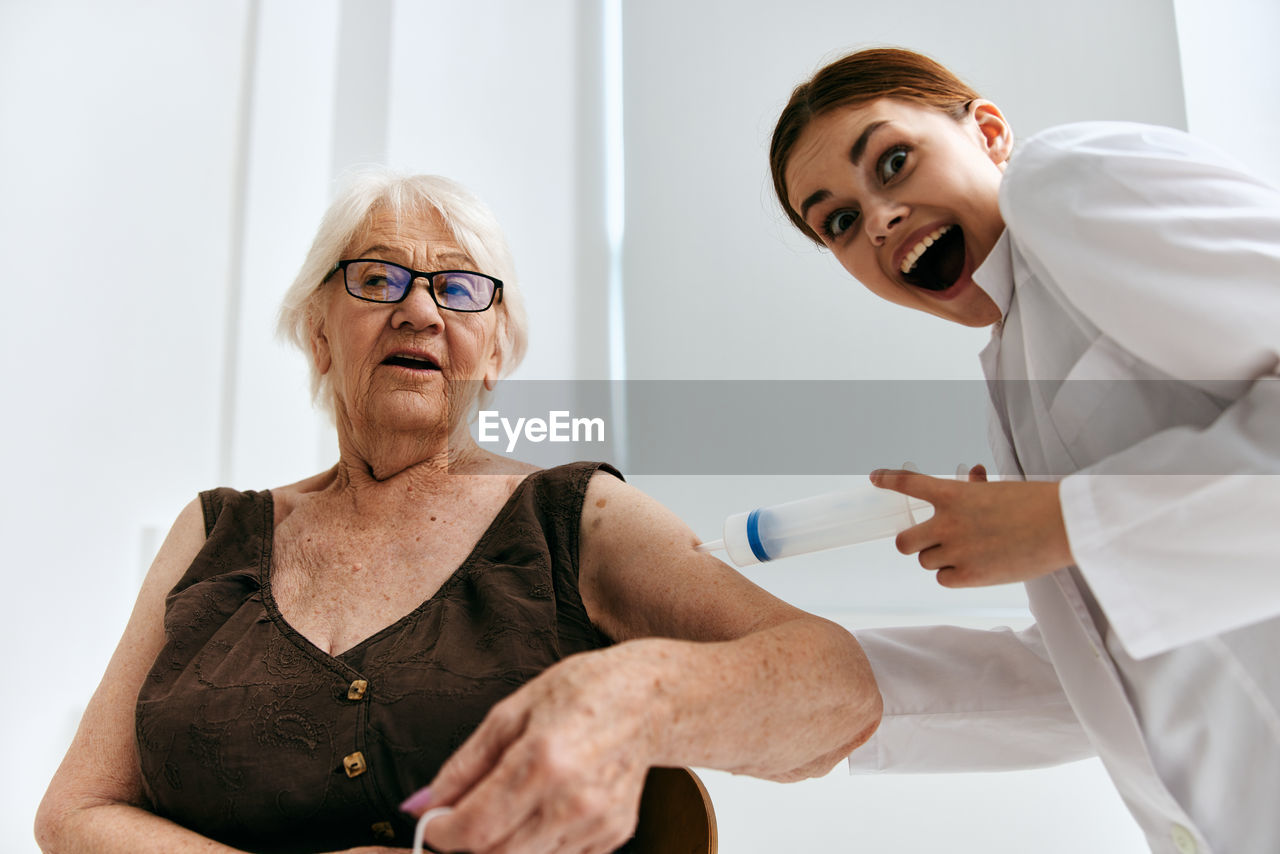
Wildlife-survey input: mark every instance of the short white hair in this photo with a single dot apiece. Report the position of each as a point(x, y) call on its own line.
point(368, 189)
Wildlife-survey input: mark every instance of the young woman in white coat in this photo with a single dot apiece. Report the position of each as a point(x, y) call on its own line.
point(1130, 276)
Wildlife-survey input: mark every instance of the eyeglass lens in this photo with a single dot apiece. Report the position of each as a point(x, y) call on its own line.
point(382, 281)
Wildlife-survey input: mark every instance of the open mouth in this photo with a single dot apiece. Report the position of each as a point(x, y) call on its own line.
point(406, 360)
point(936, 261)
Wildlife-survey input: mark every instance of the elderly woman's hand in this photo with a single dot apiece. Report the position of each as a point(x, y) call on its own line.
point(983, 533)
point(556, 767)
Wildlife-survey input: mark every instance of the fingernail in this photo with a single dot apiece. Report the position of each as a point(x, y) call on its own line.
point(417, 801)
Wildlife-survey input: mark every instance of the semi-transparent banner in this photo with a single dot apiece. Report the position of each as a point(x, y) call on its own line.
point(776, 427)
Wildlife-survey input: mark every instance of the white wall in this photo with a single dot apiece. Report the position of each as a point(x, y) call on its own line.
point(116, 178)
point(292, 125)
point(1230, 69)
point(162, 169)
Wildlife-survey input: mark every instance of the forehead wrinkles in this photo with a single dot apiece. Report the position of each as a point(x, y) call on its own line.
point(822, 151)
point(414, 235)
point(805, 162)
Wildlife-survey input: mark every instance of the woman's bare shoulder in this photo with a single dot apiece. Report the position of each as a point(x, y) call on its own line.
point(287, 498)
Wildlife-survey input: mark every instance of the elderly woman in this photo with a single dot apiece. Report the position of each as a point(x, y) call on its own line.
point(302, 660)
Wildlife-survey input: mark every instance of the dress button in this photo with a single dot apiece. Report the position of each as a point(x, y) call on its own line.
point(354, 764)
point(383, 831)
point(357, 689)
point(1183, 840)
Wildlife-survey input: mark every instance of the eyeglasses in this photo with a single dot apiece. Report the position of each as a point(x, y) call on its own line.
point(381, 281)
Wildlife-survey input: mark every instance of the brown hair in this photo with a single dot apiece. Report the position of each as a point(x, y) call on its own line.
point(855, 79)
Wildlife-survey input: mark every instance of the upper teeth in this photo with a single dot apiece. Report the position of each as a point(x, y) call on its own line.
point(914, 255)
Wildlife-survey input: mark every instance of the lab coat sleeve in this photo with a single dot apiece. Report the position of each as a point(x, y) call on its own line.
point(1173, 252)
point(960, 699)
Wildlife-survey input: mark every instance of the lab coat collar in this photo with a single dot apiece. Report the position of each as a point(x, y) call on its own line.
point(995, 274)
point(995, 277)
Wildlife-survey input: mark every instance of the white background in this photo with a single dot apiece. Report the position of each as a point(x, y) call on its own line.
point(162, 169)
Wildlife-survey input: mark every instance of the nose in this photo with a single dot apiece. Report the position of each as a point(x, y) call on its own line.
point(881, 217)
point(417, 310)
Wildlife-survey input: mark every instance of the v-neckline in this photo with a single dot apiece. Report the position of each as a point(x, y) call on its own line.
point(272, 608)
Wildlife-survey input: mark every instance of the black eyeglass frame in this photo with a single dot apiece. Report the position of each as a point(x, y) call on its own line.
point(495, 297)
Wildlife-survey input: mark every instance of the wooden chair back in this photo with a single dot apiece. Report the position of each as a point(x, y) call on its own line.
point(676, 815)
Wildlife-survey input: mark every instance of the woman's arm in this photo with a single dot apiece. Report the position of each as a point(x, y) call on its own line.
point(780, 693)
point(95, 801)
point(959, 699)
point(710, 671)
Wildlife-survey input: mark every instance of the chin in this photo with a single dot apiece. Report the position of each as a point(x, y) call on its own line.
point(401, 416)
point(975, 316)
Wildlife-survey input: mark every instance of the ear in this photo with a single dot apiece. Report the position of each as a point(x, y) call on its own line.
point(995, 132)
point(493, 364)
point(321, 355)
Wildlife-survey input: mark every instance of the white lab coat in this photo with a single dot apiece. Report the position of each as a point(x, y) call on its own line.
point(1137, 362)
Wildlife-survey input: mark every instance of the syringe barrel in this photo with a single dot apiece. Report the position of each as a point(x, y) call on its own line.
point(820, 522)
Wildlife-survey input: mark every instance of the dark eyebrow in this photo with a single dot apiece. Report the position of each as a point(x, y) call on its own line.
point(820, 196)
point(860, 145)
point(855, 155)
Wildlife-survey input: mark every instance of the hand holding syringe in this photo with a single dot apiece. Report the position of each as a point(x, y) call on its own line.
point(820, 522)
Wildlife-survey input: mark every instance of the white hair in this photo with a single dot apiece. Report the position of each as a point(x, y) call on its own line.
point(470, 221)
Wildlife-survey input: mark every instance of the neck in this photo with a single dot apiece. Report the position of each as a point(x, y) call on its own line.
point(368, 457)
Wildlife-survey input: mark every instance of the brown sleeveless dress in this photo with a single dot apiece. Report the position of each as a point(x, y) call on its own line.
point(249, 734)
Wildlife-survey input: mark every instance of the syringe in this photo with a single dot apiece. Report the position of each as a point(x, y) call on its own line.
point(821, 522)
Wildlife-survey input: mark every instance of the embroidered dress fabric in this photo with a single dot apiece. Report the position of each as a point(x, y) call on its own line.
point(249, 734)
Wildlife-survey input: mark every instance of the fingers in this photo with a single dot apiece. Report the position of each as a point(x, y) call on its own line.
point(912, 540)
point(938, 560)
point(423, 820)
point(542, 773)
point(951, 577)
point(978, 474)
point(934, 558)
point(899, 480)
point(533, 803)
point(584, 821)
point(502, 806)
point(913, 484)
point(933, 555)
point(475, 759)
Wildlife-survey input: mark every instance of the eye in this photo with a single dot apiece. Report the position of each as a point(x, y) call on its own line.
point(377, 281)
point(455, 285)
point(891, 163)
point(838, 222)
point(375, 287)
point(463, 291)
